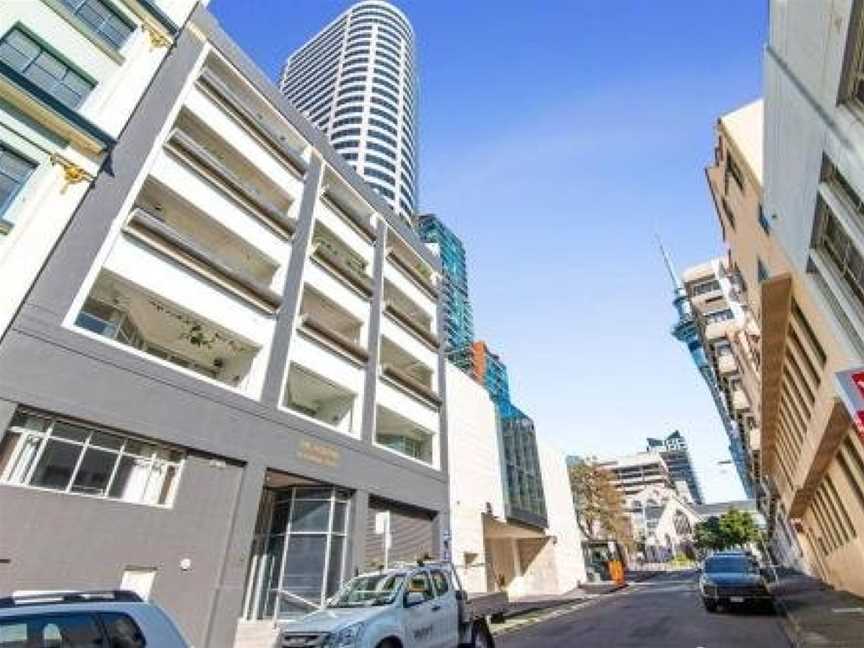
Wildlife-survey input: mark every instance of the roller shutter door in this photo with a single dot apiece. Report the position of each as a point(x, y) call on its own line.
point(412, 531)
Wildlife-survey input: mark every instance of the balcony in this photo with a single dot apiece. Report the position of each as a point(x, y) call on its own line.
point(412, 265)
point(280, 144)
point(408, 373)
point(324, 321)
point(321, 399)
point(404, 437)
point(404, 311)
point(727, 364)
point(339, 260)
point(718, 330)
point(338, 199)
point(119, 311)
point(231, 173)
point(740, 402)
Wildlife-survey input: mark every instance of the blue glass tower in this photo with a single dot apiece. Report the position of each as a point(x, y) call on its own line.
point(458, 316)
point(686, 331)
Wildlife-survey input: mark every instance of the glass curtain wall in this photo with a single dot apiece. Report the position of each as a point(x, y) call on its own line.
point(298, 554)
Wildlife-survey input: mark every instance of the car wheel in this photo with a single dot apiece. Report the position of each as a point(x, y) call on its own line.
point(709, 604)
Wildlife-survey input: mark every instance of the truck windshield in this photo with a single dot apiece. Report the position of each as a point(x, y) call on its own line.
point(366, 591)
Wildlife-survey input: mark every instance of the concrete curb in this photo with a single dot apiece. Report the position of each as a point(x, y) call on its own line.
point(790, 628)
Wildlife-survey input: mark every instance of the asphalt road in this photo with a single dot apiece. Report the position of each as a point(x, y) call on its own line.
point(664, 612)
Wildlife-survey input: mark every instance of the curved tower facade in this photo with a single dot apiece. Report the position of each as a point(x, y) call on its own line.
point(356, 80)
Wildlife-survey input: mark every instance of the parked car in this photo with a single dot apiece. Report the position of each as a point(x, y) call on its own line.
point(115, 618)
point(732, 579)
point(421, 606)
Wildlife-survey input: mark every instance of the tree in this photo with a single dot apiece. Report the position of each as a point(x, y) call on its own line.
point(599, 509)
point(732, 529)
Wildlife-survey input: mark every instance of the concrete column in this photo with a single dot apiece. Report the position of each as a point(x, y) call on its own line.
point(357, 533)
point(517, 566)
point(374, 341)
point(272, 391)
point(7, 411)
point(231, 579)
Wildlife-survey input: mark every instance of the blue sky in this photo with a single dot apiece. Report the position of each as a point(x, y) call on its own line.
point(555, 137)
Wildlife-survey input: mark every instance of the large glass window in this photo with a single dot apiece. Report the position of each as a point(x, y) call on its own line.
point(23, 53)
point(525, 496)
point(109, 25)
point(48, 452)
point(14, 171)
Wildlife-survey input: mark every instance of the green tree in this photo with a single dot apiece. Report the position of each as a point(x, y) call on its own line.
point(732, 529)
point(599, 507)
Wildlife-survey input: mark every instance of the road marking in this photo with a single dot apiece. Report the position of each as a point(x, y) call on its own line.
point(855, 610)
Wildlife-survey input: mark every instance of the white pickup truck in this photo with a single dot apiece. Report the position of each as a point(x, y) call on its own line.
point(419, 606)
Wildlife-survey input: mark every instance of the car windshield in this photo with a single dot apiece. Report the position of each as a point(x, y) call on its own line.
point(366, 591)
point(730, 565)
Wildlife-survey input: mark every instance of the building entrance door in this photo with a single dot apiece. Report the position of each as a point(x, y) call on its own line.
point(298, 554)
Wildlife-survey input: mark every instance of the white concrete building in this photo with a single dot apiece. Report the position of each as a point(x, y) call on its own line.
point(632, 473)
point(71, 73)
point(491, 551)
point(357, 81)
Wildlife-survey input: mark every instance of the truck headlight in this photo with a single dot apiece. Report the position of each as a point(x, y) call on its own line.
point(346, 637)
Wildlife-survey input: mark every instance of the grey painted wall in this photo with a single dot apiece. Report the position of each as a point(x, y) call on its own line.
point(53, 540)
point(74, 539)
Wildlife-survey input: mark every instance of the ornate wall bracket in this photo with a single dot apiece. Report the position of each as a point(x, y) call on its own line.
point(157, 38)
point(72, 173)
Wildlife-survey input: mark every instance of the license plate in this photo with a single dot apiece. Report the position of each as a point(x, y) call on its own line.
point(736, 599)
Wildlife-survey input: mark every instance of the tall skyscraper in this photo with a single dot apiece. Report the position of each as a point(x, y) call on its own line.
point(674, 451)
point(458, 316)
point(486, 368)
point(356, 80)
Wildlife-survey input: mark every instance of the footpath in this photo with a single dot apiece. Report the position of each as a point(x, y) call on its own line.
point(815, 614)
point(530, 610)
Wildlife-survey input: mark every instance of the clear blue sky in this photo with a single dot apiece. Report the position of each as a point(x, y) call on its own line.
point(555, 137)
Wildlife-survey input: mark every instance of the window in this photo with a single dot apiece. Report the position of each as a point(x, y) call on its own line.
point(52, 453)
point(374, 146)
point(349, 110)
point(420, 584)
point(52, 631)
point(382, 137)
point(838, 246)
point(732, 169)
point(14, 171)
point(345, 144)
point(109, 25)
point(439, 580)
point(384, 191)
point(346, 132)
point(763, 222)
point(382, 113)
point(705, 287)
point(730, 216)
point(761, 270)
point(122, 631)
point(350, 156)
point(380, 161)
point(375, 173)
point(25, 55)
point(383, 125)
point(718, 316)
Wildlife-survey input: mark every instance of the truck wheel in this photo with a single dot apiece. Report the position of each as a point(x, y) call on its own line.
point(709, 604)
point(480, 637)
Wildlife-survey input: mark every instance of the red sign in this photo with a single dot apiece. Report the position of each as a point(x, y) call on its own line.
point(859, 423)
point(858, 379)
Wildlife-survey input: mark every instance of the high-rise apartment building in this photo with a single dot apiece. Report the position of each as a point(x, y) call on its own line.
point(676, 454)
point(228, 358)
point(690, 330)
point(633, 473)
point(458, 316)
point(486, 367)
point(357, 81)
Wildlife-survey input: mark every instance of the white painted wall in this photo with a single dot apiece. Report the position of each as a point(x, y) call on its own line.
point(567, 538)
point(475, 473)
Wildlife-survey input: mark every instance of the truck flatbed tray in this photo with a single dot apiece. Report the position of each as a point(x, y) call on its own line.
point(485, 605)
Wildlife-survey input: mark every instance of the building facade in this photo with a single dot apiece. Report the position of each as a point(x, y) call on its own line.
point(458, 314)
point(787, 192)
point(493, 548)
point(486, 367)
point(71, 74)
point(227, 362)
point(357, 81)
point(676, 454)
point(689, 332)
point(663, 523)
point(633, 473)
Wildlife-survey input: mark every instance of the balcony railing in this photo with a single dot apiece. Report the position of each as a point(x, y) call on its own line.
point(418, 277)
point(218, 88)
point(336, 263)
point(427, 336)
point(362, 223)
point(316, 328)
point(201, 157)
point(406, 381)
point(156, 233)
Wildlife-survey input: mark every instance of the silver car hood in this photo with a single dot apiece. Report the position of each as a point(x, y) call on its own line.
point(332, 619)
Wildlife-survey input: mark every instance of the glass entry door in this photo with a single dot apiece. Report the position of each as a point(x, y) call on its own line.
point(301, 561)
